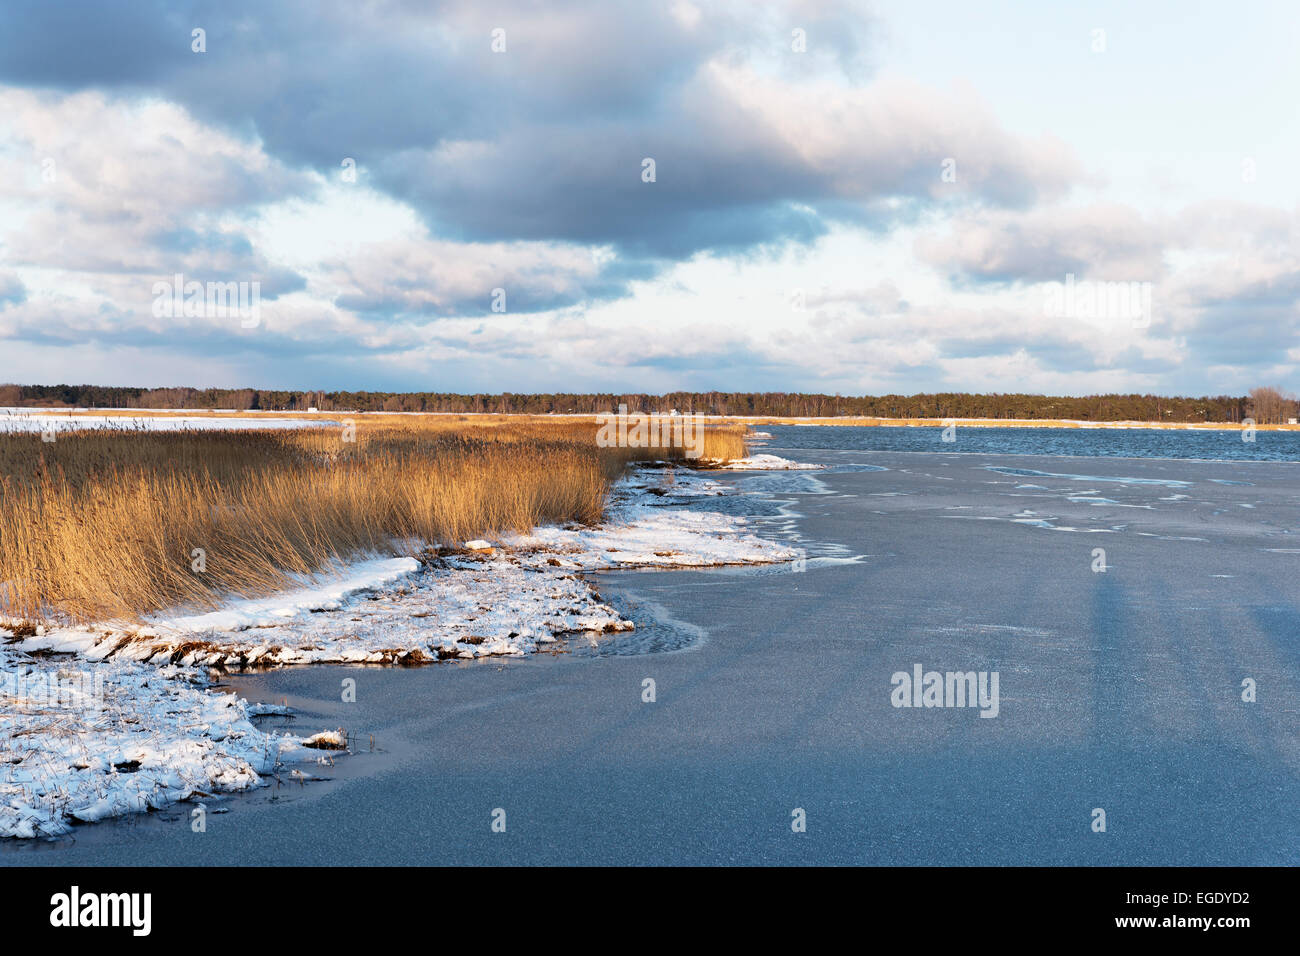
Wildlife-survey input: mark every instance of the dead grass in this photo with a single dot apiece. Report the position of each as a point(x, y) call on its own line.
point(112, 524)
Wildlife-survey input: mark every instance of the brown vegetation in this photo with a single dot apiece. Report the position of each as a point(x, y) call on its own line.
point(115, 523)
point(1269, 406)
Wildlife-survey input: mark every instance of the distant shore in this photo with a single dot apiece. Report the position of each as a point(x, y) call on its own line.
point(739, 419)
point(1007, 423)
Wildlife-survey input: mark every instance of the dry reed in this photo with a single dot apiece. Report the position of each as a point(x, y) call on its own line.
point(117, 523)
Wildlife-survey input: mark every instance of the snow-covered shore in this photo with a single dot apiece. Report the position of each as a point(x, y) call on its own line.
point(82, 742)
point(143, 731)
point(768, 463)
point(523, 592)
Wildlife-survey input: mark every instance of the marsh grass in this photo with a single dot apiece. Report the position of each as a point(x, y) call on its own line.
point(106, 524)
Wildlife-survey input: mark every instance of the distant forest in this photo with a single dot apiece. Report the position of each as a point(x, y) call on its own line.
point(1265, 405)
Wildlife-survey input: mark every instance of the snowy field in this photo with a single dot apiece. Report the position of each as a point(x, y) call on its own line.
point(14, 420)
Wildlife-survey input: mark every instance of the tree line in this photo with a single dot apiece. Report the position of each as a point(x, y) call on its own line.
point(1264, 405)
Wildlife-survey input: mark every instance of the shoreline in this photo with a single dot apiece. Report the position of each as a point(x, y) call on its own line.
point(330, 417)
point(1013, 423)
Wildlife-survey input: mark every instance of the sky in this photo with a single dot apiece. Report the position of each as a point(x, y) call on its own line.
point(796, 195)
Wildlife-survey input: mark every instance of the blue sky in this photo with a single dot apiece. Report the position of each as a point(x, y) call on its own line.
point(848, 197)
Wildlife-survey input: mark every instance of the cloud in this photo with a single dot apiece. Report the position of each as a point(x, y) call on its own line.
point(437, 277)
point(740, 160)
point(1106, 241)
point(545, 141)
point(126, 158)
point(88, 199)
point(12, 290)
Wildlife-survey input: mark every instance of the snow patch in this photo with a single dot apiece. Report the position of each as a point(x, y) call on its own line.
point(168, 423)
point(768, 463)
point(84, 744)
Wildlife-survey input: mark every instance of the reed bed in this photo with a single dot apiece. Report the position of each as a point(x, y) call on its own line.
point(104, 524)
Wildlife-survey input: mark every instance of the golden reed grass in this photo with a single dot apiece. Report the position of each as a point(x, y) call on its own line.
point(113, 523)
